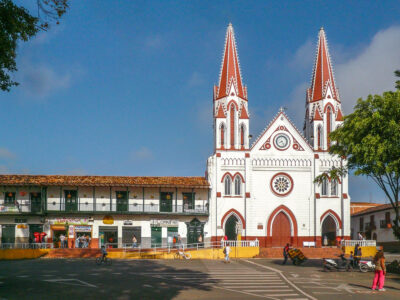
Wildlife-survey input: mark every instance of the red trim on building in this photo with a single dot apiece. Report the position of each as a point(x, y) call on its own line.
point(317, 195)
point(316, 156)
point(247, 155)
point(218, 194)
point(233, 211)
point(294, 238)
point(345, 196)
point(247, 195)
point(330, 211)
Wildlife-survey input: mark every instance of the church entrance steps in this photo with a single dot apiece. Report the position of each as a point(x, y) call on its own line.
point(308, 252)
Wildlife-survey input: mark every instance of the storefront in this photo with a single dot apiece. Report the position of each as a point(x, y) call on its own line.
point(128, 232)
point(108, 236)
point(83, 236)
point(8, 233)
point(67, 227)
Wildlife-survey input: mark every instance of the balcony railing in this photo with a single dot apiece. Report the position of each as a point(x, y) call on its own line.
point(19, 208)
point(107, 207)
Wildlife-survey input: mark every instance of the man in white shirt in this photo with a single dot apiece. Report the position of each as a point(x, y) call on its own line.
point(227, 250)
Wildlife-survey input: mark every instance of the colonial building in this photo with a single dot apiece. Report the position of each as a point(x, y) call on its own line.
point(376, 223)
point(263, 190)
point(266, 189)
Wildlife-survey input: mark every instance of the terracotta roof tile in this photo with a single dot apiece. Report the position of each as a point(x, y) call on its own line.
point(379, 207)
point(42, 180)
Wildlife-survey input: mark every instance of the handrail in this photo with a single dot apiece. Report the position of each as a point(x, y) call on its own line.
point(361, 243)
point(26, 245)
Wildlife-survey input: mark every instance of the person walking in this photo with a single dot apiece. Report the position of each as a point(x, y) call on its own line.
point(380, 271)
point(227, 250)
point(285, 254)
point(62, 239)
point(357, 255)
point(134, 242)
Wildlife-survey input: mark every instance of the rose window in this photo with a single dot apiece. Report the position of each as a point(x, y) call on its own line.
point(281, 184)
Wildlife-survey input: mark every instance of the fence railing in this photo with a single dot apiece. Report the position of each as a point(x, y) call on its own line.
point(15, 208)
point(361, 243)
point(131, 207)
point(26, 245)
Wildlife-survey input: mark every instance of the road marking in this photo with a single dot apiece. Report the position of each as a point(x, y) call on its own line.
point(71, 282)
point(283, 276)
point(23, 276)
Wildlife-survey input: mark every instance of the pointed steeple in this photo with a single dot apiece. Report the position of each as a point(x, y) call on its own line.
point(322, 79)
point(230, 70)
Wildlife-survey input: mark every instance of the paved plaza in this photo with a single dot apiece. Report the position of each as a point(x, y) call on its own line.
point(183, 279)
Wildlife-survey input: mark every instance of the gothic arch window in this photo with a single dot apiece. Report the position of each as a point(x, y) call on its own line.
point(324, 187)
point(228, 184)
point(319, 137)
point(232, 116)
point(242, 135)
point(329, 123)
point(238, 185)
point(334, 188)
point(222, 133)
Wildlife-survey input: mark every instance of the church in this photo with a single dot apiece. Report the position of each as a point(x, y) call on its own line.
point(265, 190)
point(262, 190)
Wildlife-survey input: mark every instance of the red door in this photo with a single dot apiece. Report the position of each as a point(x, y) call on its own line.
point(280, 230)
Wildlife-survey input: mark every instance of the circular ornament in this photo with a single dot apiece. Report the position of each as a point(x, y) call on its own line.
point(281, 141)
point(281, 184)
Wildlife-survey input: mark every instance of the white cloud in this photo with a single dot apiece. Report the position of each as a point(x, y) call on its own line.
point(6, 154)
point(143, 153)
point(360, 73)
point(41, 80)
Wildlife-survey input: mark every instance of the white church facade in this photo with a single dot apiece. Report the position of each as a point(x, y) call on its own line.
point(266, 189)
point(262, 190)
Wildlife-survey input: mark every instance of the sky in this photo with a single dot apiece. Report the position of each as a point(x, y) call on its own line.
point(125, 87)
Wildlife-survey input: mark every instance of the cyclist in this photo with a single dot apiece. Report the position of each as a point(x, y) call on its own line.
point(103, 253)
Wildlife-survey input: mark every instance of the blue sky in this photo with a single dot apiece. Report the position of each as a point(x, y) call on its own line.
point(125, 87)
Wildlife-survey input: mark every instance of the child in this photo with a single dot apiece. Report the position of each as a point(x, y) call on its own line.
point(103, 252)
point(351, 258)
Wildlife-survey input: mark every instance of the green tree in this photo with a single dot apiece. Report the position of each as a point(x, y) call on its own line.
point(17, 24)
point(370, 140)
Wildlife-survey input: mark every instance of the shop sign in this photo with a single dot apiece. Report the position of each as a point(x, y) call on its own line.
point(83, 228)
point(69, 221)
point(22, 226)
point(108, 220)
point(127, 222)
point(71, 231)
point(164, 223)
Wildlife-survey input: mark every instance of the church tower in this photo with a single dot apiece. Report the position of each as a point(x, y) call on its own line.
point(231, 118)
point(323, 107)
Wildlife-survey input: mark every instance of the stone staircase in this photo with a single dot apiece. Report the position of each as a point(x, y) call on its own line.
point(308, 252)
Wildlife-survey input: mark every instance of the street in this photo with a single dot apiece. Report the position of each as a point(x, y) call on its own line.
point(184, 279)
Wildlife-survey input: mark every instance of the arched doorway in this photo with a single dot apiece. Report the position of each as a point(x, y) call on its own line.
point(328, 231)
point(281, 230)
point(231, 227)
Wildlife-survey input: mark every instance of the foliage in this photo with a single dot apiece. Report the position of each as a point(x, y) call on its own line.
point(17, 24)
point(370, 140)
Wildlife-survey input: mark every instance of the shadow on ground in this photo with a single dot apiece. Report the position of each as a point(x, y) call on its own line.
point(43, 279)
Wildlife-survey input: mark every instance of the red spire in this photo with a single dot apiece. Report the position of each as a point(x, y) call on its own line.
point(230, 68)
point(323, 72)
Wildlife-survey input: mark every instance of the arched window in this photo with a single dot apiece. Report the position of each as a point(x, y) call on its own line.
point(324, 187)
point(228, 183)
point(334, 188)
point(222, 136)
point(242, 136)
point(329, 124)
point(232, 126)
point(238, 185)
point(319, 137)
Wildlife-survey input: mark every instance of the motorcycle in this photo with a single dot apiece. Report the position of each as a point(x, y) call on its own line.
point(341, 265)
point(366, 265)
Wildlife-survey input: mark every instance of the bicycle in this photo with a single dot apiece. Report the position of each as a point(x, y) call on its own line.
point(107, 261)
